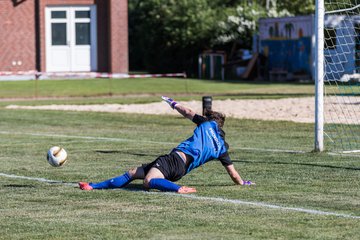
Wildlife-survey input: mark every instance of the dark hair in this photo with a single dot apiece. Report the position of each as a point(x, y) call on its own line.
point(215, 116)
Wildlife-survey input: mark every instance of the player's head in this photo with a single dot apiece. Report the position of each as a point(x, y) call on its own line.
point(215, 116)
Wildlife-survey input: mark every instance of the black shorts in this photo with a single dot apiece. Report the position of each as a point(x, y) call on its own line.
point(171, 165)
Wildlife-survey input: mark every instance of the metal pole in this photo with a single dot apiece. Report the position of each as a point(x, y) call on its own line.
point(319, 75)
point(200, 66)
point(207, 104)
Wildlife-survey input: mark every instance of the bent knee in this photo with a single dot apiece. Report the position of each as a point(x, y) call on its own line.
point(136, 173)
point(132, 172)
point(146, 182)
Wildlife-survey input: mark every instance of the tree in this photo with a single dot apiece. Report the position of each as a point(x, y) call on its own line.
point(297, 7)
point(166, 34)
point(241, 24)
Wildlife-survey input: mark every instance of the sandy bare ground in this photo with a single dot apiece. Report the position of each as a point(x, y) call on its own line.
point(288, 109)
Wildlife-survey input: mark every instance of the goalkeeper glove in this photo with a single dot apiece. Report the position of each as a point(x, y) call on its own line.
point(170, 101)
point(248, 183)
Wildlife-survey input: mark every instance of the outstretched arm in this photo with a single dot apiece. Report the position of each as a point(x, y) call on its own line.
point(185, 111)
point(235, 176)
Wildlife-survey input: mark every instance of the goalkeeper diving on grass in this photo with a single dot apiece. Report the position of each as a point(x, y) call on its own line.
point(207, 143)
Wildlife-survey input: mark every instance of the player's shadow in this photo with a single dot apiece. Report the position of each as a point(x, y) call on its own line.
point(135, 187)
point(19, 186)
point(140, 187)
point(301, 164)
point(212, 185)
point(125, 152)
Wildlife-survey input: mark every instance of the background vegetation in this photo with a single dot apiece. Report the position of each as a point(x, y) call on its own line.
point(168, 35)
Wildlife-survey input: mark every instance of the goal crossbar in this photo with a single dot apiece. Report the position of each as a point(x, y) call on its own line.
point(343, 10)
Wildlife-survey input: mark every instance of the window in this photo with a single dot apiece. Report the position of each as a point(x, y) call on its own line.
point(82, 33)
point(58, 14)
point(58, 34)
point(82, 14)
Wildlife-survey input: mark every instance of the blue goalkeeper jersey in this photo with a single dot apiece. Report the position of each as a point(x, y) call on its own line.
point(206, 144)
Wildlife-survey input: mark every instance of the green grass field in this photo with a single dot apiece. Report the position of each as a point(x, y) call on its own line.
point(299, 194)
point(149, 86)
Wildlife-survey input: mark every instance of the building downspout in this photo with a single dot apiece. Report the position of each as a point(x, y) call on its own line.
point(37, 36)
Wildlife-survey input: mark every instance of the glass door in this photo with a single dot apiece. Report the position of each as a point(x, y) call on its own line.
point(71, 39)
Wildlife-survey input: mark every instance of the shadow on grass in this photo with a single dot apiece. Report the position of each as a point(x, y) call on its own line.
point(19, 186)
point(211, 184)
point(130, 187)
point(236, 81)
point(135, 187)
point(140, 187)
point(300, 164)
point(263, 95)
point(126, 152)
point(241, 161)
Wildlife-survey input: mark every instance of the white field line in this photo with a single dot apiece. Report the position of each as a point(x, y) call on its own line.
point(110, 139)
point(352, 151)
point(169, 143)
point(269, 150)
point(262, 204)
point(82, 137)
point(207, 199)
point(132, 140)
point(343, 154)
point(37, 179)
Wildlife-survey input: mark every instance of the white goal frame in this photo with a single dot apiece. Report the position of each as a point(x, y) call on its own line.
point(345, 78)
point(319, 75)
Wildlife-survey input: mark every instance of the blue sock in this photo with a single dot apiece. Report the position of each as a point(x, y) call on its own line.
point(163, 185)
point(117, 182)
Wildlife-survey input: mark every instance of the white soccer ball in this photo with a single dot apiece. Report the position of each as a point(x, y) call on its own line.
point(56, 156)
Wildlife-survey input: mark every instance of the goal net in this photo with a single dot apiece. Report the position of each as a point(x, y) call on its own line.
point(340, 47)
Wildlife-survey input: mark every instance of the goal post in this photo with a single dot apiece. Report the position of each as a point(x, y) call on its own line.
point(337, 75)
point(319, 76)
